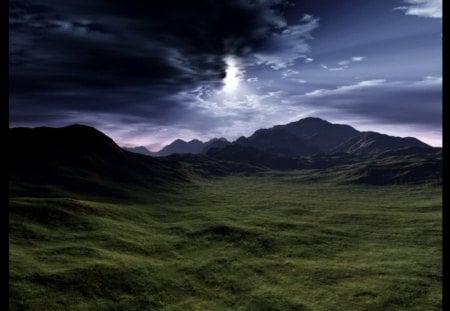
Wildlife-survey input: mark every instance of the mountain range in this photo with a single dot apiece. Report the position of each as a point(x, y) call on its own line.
point(180, 146)
point(306, 137)
point(81, 159)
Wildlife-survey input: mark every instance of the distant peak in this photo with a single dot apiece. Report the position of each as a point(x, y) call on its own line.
point(308, 121)
point(178, 141)
point(79, 126)
point(195, 141)
point(313, 119)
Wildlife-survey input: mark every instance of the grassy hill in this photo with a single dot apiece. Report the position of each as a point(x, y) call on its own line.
point(281, 241)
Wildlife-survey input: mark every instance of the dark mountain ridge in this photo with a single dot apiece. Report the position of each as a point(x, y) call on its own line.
point(373, 143)
point(139, 149)
point(321, 134)
point(310, 136)
point(82, 159)
point(194, 146)
point(306, 137)
point(278, 141)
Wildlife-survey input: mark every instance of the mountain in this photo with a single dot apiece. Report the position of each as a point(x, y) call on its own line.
point(194, 146)
point(404, 166)
point(311, 136)
point(139, 150)
point(302, 138)
point(373, 143)
point(81, 159)
point(180, 146)
point(306, 137)
point(278, 141)
point(433, 152)
point(215, 143)
point(322, 135)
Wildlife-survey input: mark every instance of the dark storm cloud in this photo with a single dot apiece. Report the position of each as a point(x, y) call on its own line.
point(87, 55)
point(154, 106)
point(89, 44)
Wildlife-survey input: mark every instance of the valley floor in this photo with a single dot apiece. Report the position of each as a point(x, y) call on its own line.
point(280, 241)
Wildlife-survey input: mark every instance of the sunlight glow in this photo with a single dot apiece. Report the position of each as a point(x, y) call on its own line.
point(233, 76)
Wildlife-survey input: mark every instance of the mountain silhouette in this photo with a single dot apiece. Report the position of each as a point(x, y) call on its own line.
point(82, 159)
point(372, 143)
point(278, 141)
point(194, 146)
point(215, 143)
point(322, 135)
point(306, 137)
point(180, 146)
point(139, 150)
point(311, 136)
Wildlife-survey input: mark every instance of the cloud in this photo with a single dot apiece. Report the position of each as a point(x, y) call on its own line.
point(346, 88)
point(403, 105)
point(332, 68)
point(299, 80)
point(358, 58)
point(416, 102)
point(110, 57)
point(308, 60)
point(288, 73)
point(100, 43)
point(282, 49)
point(431, 80)
point(424, 8)
point(344, 64)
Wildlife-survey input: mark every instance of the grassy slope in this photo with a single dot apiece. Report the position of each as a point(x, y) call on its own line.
point(272, 242)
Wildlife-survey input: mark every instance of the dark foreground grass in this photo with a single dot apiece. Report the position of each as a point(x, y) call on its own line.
point(272, 242)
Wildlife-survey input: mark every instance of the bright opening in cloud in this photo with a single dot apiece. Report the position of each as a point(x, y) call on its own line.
point(233, 76)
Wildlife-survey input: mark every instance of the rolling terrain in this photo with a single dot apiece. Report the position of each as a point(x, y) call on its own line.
point(94, 227)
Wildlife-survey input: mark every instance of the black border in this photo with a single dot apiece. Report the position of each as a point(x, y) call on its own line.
point(445, 200)
point(4, 305)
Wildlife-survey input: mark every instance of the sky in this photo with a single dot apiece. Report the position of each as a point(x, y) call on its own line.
point(147, 73)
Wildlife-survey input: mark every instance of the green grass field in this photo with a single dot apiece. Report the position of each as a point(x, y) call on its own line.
point(279, 241)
